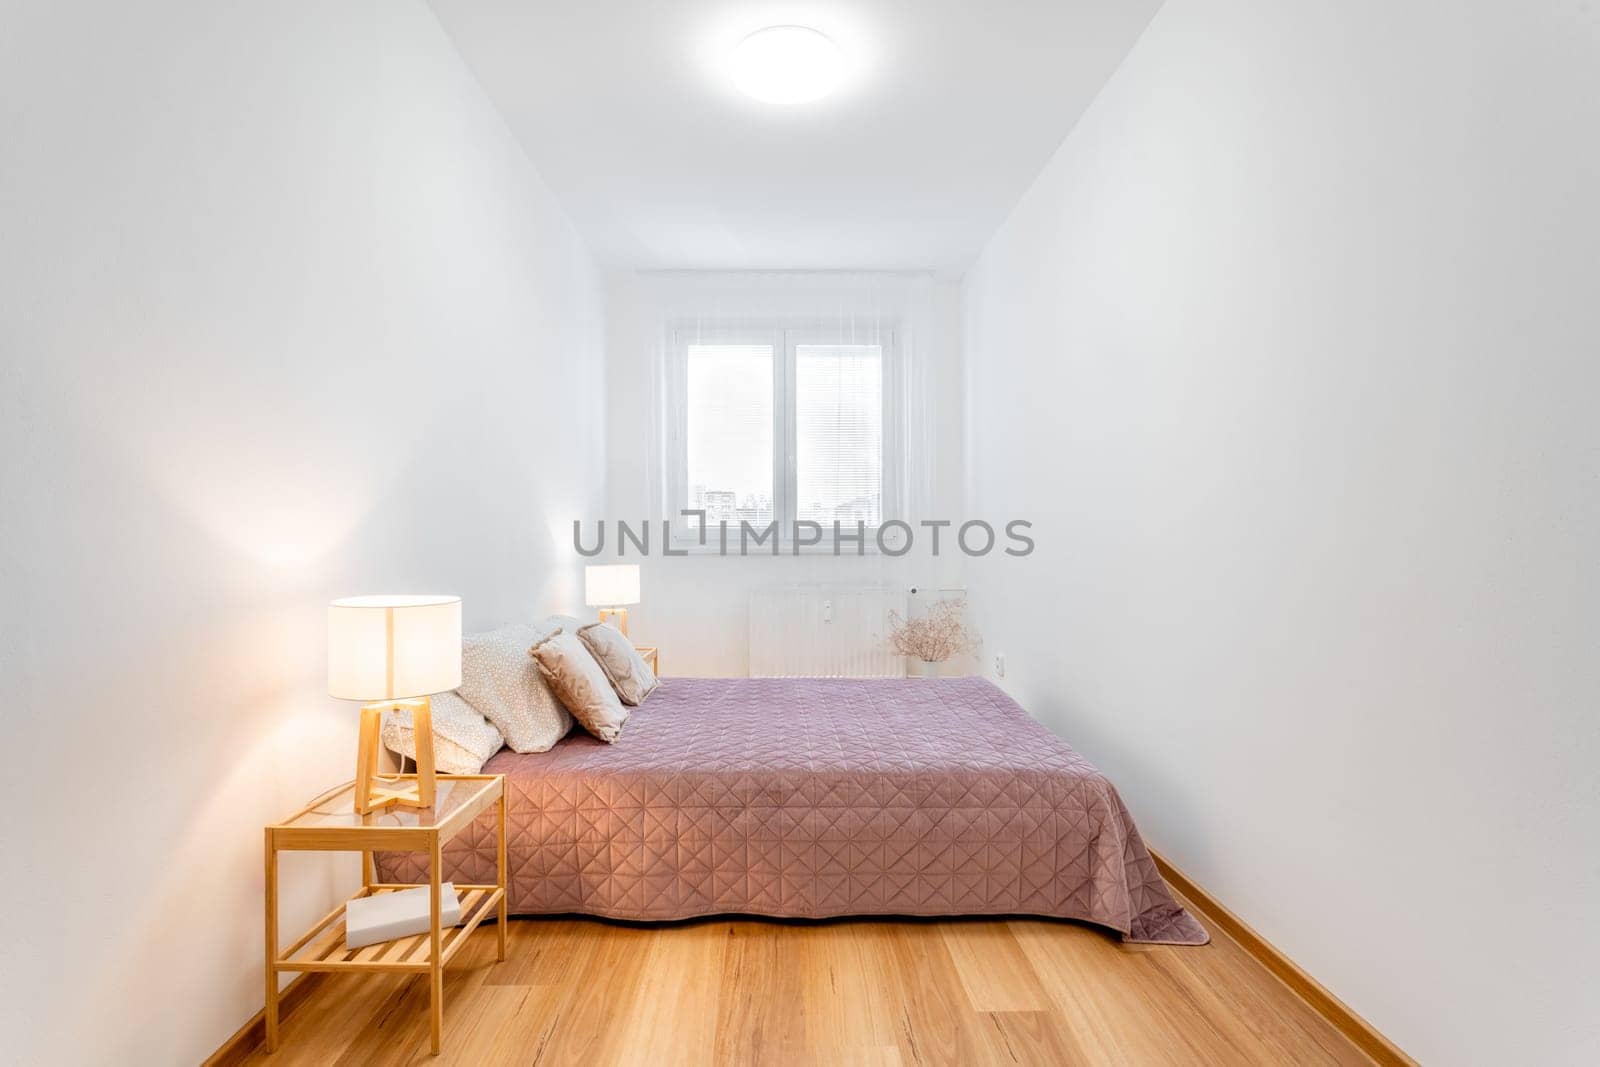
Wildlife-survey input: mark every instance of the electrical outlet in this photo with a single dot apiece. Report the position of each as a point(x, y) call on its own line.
point(1000, 665)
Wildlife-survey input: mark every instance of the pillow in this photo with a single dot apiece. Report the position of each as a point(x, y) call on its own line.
point(625, 669)
point(498, 680)
point(550, 623)
point(581, 685)
point(462, 739)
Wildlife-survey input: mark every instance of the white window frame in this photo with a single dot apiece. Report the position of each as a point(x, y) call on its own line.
point(784, 337)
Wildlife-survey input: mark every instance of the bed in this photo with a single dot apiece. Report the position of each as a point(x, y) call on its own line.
point(816, 798)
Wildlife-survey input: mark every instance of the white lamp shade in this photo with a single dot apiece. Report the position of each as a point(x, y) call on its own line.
point(393, 647)
point(611, 585)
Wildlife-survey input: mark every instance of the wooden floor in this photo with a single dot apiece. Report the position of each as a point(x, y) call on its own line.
point(845, 992)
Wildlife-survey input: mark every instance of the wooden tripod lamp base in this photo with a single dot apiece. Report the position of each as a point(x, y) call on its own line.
point(390, 652)
point(619, 614)
point(373, 791)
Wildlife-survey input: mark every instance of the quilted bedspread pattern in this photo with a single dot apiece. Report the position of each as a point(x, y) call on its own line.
point(815, 798)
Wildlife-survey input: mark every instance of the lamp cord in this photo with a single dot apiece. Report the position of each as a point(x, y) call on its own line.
point(393, 779)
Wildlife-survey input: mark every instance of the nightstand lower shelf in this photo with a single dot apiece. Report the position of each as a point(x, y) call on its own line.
point(322, 947)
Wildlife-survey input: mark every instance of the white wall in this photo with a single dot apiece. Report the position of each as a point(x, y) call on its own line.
point(285, 314)
point(1291, 350)
point(696, 608)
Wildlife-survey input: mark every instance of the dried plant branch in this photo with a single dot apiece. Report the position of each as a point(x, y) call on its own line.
point(935, 637)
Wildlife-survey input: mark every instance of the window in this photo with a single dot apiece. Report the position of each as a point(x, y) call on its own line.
point(784, 424)
point(731, 426)
point(838, 418)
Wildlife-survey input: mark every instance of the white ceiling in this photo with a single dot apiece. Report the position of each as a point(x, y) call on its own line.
point(626, 109)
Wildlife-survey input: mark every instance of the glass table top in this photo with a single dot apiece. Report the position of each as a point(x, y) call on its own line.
point(337, 808)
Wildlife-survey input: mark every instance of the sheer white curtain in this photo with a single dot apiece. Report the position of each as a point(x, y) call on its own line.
point(792, 396)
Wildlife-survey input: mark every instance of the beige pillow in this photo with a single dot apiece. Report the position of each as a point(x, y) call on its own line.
point(498, 680)
point(462, 739)
point(580, 684)
point(625, 669)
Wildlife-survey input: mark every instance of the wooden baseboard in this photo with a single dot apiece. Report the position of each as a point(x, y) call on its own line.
point(237, 1048)
point(1362, 1033)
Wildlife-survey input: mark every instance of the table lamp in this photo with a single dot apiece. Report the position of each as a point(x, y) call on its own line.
point(610, 586)
point(393, 652)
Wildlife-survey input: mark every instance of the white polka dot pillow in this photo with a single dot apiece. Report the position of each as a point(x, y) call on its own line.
point(503, 683)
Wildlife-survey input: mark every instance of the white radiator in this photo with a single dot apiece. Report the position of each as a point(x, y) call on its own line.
point(814, 631)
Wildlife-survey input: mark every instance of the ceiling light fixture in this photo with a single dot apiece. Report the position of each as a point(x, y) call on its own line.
point(787, 65)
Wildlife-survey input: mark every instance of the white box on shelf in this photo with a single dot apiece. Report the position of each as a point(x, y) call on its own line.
point(386, 916)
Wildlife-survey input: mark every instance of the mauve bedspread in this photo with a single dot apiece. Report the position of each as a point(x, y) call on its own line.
point(815, 798)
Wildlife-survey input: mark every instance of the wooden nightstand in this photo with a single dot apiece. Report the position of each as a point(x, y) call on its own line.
point(330, 824)
point(652, 656)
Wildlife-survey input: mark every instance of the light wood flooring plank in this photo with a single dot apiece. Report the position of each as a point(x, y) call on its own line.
point(672, 1016)
point(760, 993)
point(993, 968)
